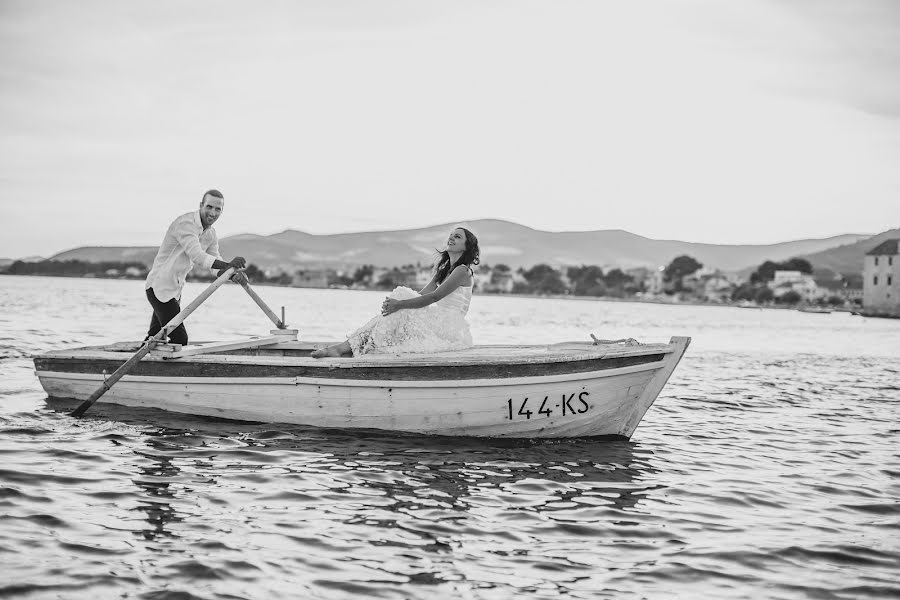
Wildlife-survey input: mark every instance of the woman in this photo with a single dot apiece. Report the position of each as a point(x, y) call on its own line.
point(432, 320)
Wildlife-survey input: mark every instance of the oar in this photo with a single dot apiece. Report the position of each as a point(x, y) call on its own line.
point(151, 343)
point(279, 323)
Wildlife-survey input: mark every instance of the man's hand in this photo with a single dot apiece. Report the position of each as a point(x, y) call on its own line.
point(240, 278)
point(238, 262)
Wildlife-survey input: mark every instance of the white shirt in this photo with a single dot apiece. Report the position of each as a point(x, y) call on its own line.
point(186, 244)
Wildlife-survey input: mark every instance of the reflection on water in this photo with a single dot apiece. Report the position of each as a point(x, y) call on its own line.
point(448, 473)
point(765, 469)
point(154, 480)
point(370, 507)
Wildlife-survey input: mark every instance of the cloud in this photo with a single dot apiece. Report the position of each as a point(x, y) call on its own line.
point(697, 120)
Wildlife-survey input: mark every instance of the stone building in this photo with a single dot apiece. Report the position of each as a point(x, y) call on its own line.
point(881, 279)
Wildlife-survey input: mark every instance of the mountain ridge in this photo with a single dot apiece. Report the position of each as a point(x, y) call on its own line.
point(849, 258)
point(501, 242)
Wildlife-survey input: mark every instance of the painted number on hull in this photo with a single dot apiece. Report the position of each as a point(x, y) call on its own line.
point(568, 404)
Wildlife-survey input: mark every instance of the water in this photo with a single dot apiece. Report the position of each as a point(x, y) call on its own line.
point(768, 468)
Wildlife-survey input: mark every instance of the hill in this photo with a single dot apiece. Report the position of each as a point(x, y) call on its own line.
point(848, 258)
point(501, 242)
point(5, 262)
point(143, 254)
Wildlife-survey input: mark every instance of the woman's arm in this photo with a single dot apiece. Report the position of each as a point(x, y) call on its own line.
point(432, 285)
point(459, 276)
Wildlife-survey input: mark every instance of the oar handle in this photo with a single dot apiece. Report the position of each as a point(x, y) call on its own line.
point(279, 323)
point(180, 317)
point(149, 344)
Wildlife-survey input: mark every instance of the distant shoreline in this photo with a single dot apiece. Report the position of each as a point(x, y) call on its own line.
point(658, 301)
point(503, 295)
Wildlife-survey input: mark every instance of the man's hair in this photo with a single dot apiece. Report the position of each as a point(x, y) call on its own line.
point(215, 193)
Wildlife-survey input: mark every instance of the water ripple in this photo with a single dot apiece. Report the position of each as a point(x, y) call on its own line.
point(761, 472)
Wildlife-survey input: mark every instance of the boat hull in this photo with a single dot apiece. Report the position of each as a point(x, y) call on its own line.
point(519, 400)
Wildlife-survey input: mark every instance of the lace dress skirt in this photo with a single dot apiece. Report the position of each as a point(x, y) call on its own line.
point(434, 328)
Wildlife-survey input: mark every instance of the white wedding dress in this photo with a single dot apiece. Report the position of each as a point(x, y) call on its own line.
point(435, 328)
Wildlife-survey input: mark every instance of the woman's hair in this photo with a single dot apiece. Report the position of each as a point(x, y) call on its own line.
point(469, 257)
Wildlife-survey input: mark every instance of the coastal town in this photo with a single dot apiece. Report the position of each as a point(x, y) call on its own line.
point(794, 283)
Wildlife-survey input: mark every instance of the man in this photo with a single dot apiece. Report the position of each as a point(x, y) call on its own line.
point(190, 240)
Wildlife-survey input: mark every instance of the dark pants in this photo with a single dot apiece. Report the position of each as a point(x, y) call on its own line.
point(163, 312)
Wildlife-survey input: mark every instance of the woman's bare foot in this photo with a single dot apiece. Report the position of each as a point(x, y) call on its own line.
point(328, 351)
point(333, 351)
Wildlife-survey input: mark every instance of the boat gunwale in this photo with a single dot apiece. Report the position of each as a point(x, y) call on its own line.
point(428, 372)
point(552, 353)
point(375, 383)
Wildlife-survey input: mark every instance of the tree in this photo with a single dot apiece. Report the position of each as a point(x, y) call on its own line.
point(745, 291)
point(520, 287)
point(586, 280)
point(678, 269)
point(617, 278)
point(763, 295)
point(597, 290)
point(766, 271)
point(797, 264)
point(618, 283)
point(254, 273)
point(391, 279)
point(499, 270)
point(282, 279)
point(681, 266)
point(790, 297)
point(71, 268)
point(363, 273)
point(335, 279)
point(544, 279)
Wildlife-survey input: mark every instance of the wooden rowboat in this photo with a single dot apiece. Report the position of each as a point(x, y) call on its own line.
point(569, 389)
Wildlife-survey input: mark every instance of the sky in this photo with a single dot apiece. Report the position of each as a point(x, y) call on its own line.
point(698, 120)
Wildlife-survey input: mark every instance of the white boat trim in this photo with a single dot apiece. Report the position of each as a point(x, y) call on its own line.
point(370, 383)
point(493, 355)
